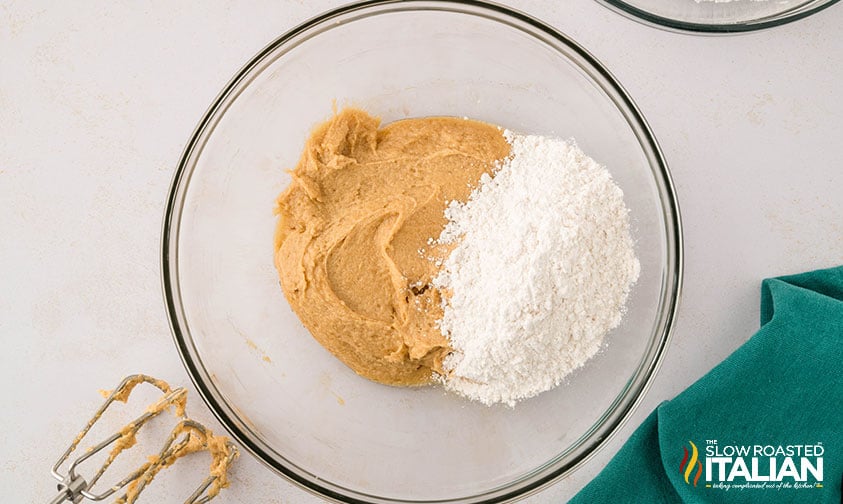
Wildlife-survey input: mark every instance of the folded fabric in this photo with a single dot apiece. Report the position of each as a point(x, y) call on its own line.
point(765, 425)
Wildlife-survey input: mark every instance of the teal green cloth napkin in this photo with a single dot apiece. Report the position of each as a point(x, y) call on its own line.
point(779, 397)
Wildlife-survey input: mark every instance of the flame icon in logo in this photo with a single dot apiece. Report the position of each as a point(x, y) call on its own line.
point(686, 467)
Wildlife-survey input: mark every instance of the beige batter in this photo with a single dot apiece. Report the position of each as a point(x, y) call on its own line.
point(352, 245)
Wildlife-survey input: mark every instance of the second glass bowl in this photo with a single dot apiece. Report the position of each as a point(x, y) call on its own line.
point(718, 16)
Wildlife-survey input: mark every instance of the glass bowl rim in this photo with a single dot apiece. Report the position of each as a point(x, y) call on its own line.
point(677, 25)
point(624, 403)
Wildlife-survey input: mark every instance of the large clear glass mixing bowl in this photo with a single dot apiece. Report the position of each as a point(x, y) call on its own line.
point(291, 403)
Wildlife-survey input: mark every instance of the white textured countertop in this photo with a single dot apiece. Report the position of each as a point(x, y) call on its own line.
point(97, 100)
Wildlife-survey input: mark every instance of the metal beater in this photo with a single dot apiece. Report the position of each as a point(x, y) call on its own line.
point(188, 436)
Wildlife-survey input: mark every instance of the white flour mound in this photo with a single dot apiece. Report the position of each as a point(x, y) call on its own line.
point(540, 272)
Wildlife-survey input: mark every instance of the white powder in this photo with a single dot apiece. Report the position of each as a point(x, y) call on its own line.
point(540, 272)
